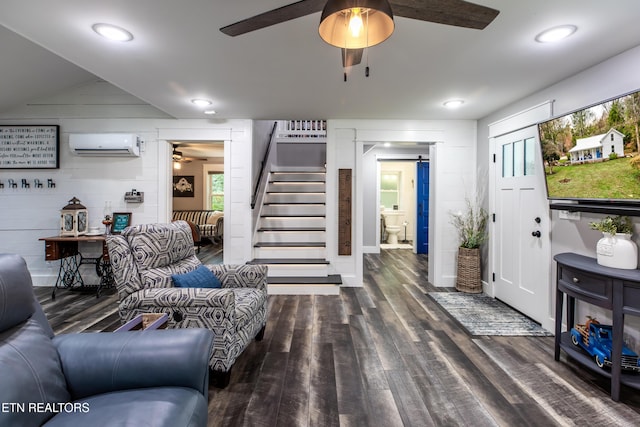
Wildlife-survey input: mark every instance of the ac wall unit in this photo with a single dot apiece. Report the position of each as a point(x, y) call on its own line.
point(105, 144)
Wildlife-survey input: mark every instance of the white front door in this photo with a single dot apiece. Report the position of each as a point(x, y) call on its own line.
point(521, 229)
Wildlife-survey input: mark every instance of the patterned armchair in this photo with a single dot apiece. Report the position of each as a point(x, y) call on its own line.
point(144, 257)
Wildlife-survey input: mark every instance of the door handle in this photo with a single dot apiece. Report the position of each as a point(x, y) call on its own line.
point(536, 234)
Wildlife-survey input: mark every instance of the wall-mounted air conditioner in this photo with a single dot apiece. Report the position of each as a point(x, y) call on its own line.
point(105, 144)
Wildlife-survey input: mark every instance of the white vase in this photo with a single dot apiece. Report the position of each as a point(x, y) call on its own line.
point(617, 251)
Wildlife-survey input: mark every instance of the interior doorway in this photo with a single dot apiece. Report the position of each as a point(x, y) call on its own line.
point(403, 191)
point(198, 185)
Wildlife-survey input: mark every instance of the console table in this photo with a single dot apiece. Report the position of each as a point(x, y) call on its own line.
point(581, 277)
point(66, 250)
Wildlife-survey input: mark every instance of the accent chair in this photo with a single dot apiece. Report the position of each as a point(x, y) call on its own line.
point(143, 260)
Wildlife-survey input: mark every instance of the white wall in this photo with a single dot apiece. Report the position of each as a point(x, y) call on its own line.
point(29, 214)
point(452, 175)
point(616, 76)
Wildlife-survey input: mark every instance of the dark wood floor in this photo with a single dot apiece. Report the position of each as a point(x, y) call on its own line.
point(385, 355)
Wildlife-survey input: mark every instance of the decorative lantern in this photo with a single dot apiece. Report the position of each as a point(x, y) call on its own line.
point(74, 219)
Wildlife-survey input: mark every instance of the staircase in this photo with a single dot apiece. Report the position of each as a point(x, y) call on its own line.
point(291, 234)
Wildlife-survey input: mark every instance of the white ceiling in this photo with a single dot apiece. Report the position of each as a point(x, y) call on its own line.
point(287, 71)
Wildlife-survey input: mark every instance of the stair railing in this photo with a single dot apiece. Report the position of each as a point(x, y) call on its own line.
point(264, 170)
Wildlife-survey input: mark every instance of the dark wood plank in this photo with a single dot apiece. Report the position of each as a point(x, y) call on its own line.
point(283, 330)
point(349, 381)
point(350, 301)
point(262, 409)
point(408, 399)
point(323, 399)
point(384, 345)
point(294, 407)
point(383, 409)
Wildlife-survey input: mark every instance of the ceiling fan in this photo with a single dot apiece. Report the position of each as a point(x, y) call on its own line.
point(178, 156)
point(457, 13)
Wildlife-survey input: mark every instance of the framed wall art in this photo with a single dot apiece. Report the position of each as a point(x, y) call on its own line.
point(121, 220)
point(183, 186)
point(29, 147)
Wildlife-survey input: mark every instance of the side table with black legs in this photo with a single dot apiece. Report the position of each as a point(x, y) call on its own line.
point(65, 249)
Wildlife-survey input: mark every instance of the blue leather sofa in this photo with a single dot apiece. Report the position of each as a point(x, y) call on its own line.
point(148, 378)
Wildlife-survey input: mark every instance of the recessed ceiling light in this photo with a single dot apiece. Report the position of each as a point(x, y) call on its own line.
point(556, 33)
point(201, 102)
point(112, 32)
point(210, 112)
point(453, 103)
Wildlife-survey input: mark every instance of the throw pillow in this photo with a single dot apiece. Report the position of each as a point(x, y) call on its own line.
point(201, 277)
point(213, 218)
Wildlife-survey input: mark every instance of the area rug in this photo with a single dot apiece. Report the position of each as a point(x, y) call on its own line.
point(480, 314)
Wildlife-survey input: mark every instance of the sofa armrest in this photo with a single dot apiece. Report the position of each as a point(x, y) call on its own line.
point(95, 363)
point(241, 275)
point(220, 227)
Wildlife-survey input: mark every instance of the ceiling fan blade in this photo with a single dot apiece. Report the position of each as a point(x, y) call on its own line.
point(351, 57)
point(275, 16)
point(459, 13)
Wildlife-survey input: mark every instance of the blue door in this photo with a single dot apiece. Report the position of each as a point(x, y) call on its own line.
point(422, 237)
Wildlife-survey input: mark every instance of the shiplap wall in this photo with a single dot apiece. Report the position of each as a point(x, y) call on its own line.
point(27, 215)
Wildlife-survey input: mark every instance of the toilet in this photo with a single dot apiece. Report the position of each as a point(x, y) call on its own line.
point(393, 225)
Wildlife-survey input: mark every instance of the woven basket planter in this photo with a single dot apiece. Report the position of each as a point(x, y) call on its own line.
point(469, 279)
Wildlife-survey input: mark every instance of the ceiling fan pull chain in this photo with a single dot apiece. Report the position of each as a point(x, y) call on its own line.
point(344, 54)
point(366, 70)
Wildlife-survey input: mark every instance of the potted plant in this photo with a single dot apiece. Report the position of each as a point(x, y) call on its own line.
point(616, 249)
point(614, 225)
point(472, 232)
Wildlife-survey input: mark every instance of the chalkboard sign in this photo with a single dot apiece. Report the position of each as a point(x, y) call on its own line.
point(121, 220)
point(29, 147)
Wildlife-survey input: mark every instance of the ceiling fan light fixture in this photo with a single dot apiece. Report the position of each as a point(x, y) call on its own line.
point(356, 24)
point(176, 155)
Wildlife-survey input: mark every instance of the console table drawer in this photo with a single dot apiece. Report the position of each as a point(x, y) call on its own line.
point(58, 250)
point(597, 290)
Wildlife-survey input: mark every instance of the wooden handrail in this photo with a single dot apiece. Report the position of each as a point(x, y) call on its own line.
point(264, 171)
